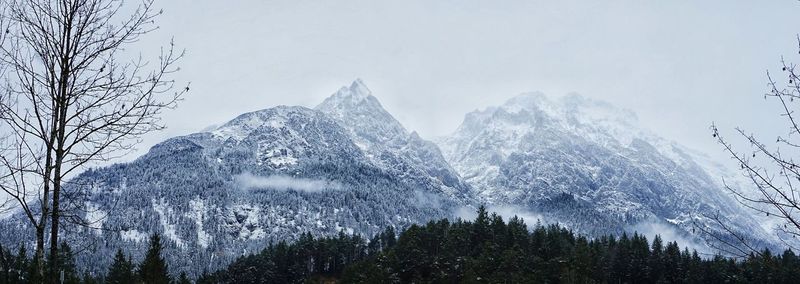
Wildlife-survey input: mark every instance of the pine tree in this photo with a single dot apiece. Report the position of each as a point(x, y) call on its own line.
point(64, 265)
point(5, 265)
point(656, 260)
point(640, 252)
point(28, 271)
point(388, 238)
point(206, 278)
point(672, 263)
point(121, 270)
point(90, 279)
point(581, 260)
point(480, 231)
point(183, 279)
point(22, 267)
point(153, 269)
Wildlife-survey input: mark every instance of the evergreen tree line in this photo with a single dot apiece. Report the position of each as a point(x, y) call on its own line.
point(153, 269)
point(306, 260)
point(485, 250)
point(22, 267)
point(490, 250)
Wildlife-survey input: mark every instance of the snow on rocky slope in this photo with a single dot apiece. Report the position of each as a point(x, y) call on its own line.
point(387, 143)
point(262, 177)
point(349, 166)
point(590, 166)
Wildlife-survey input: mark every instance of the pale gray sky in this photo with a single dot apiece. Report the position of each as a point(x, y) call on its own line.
point(679, 64)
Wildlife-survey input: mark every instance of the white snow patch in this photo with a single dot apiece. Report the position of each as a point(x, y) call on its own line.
point(95, 217)
point(346, 230)
point(280, 155)
point(197, 209)
point(283, 160)
point(164, 213)
point(133, 235)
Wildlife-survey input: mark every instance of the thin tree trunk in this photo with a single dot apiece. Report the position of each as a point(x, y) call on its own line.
point(38, 258)
point(55, 210)
point(60, 117)
point(40, 229)
point(57, 178)
point(54, 223)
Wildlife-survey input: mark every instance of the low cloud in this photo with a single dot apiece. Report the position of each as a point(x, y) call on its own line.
point(427, 199)
point(528, 216)
point(670, 233)
point(249, 181)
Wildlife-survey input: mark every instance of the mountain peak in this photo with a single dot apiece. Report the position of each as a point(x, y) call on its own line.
point(354, 94)
point(358, 87)
point(354, 98)
point(357, 110)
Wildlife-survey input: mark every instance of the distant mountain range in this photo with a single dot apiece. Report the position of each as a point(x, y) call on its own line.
point(349, 166)
point(591, 167)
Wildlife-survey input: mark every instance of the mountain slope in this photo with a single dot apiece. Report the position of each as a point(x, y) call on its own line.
point(262, 177)
point(388, 144)
point(588, 165)
point(349, 166)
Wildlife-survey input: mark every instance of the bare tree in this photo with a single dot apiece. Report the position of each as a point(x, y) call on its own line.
point(73, 96)
point(772, 169)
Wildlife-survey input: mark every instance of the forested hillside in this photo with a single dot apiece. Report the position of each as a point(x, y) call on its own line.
point(491, 250)
point(485, 250)
point(268, 175)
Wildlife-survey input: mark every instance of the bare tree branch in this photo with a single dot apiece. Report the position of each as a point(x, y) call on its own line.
point(771, 170)
point(72, 98)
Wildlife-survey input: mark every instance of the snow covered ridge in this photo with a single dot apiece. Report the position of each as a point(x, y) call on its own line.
point(265, 176)
point(348, 165)
point(591, 166)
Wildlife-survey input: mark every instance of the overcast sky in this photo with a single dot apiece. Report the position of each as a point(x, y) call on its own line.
point(679, 64)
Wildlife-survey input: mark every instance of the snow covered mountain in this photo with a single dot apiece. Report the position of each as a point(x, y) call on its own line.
point(588, 165)
point(388, 144)
point(262, 177)
point(349, 166)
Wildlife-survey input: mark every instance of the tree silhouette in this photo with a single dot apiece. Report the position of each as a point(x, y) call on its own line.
point(121, 270)
point(153, 269)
